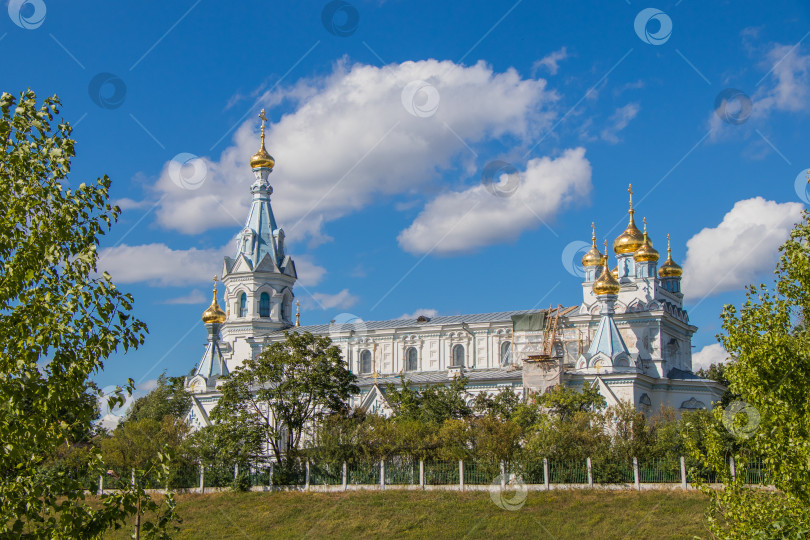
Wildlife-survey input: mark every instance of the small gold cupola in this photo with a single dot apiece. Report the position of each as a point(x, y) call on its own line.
point(670, 268)
point(606, 284)
point(261, 159)
point(646, 253)
point(214, 313)
point(594, 256)
point(631, 239)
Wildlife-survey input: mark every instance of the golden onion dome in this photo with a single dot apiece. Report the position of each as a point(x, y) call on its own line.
point(606, 284)
point(262, 159)
point(670, 268)
point(631, 239)
point(646, 253)
point(214, 313)
point(594, 256)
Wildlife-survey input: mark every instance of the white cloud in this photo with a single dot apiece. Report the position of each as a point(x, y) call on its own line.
point(551, 62)
point(741, 249)
point(786, 88)
point(350, 140)
point(458, 222)
point(790, 73)
point(343, 299)
point(618, 121)
point(194, 297)
point(708, 355)
point(427, 312)
point(159, 265)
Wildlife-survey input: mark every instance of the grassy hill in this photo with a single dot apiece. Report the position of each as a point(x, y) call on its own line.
point(402, 514)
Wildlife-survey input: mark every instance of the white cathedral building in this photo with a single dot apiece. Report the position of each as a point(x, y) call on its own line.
point(630, 335)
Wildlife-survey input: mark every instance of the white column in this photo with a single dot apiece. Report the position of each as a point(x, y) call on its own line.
point(202, 478)
point(422, 473)
point(590, 472)
point(683, 474)
point(546, 480)
point(101, 484)
point(503, 475)
point(382, 474)
point(345, 476)
point(635, 474)
point(733, 468)
point(306, 479)
point(461, 474)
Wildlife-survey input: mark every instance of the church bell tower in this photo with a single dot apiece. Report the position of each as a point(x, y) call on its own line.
point(259, 278)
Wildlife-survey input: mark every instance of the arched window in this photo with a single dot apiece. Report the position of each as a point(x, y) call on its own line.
point(458, 356)
point(365, 362)
point(243, 305)
point(506, 353)
point(411, 359)
point(285, 310)
point(264, 305)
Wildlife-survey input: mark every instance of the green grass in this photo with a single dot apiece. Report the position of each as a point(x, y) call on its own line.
point(401, 514)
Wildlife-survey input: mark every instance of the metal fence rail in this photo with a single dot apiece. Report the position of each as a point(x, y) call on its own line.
point(409, 471)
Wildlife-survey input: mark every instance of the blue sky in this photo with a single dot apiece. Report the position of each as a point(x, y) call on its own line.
point(383, 117)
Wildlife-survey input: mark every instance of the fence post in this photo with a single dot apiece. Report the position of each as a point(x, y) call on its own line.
point(236, 471)
point(733, 468)
point(345, 476)
point(635, 474)
point(202, 478)
point(132, 478)
point(382, 474)
point(100, 485)
point(590, 472)
point(683, 474)
point(306, 478)
point(422, 473)
point(545, 474)
point(461, 474)
point(503, 475)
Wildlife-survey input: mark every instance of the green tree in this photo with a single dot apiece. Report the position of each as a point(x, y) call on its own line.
point(501, 405)
point(771, 375)
point(168, 398)
point(284, 391)
point(58, 323)
point(717, 372)
point(564, 401)
point(137, 443)
point(434, 403)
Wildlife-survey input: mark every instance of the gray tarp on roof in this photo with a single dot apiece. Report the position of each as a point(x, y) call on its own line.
point(529, 322)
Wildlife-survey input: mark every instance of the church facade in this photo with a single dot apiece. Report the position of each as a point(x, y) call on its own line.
point(630, 336)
